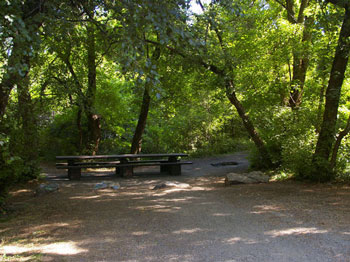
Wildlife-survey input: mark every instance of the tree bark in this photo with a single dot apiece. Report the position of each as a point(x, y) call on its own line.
point(300, 66)
point(141, 124)
point(337, 144)
point(29, 146)
point(259, 143)
point(80, 131)
point(94, 125)
point(11, 77)
point(300, 54)
point(30, 11)
point(146, 100)
point(321, 165)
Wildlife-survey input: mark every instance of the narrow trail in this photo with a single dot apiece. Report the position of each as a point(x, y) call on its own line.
point(194, 218)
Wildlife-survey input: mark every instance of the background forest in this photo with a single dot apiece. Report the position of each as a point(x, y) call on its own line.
point(104, 76)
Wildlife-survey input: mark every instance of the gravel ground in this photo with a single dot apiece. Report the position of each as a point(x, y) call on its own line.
point(194, 218)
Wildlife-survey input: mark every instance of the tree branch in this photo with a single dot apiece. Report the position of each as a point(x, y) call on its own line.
point(303, 5)
point(289, 8)
point(340, 136)
point(192, 58)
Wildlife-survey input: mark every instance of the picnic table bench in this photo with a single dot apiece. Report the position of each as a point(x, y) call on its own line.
point(124, 163)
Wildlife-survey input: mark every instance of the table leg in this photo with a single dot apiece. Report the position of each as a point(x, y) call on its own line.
point(174, 170)
point(74, 173)
point(117, 171)
point(126, 171)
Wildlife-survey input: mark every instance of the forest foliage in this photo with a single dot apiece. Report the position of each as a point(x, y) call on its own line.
point(103, 76)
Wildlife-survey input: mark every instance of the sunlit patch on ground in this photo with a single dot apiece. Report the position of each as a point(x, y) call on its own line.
point(295, 231)
point(188, 231)
point(235, 240)
point(62, 248)
point(261, 209)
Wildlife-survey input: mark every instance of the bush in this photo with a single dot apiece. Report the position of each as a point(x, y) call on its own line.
point(13, 169)
point(289, 137)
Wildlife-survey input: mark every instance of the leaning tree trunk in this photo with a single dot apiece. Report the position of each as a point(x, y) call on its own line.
point(321, 165)
point(146, 100)
point(259, 143)
point(141, 124)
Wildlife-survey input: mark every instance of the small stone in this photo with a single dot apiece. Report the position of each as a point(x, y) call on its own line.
point(114, 186)
point(160, 186)
point(46, 188)
point(107, 184)
point(101, 185)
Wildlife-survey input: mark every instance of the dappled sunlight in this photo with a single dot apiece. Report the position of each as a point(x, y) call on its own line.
point(184, 199)
point(62, 248)
point(188, 231)
point(232, 240)
point(21, 191)
point(222, 214)
point(38, 235)
point(85, 197)
point(188, 219)
point(131, 194)
point(295, 231)
point(157, 208)
point(140, 233)
point(177, 190)
point(172, 190)
point(261, 209)
point(235, 240)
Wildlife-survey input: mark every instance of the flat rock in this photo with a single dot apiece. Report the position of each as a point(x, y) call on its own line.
point(107, 184)
point(46, 188)
point(246, 178)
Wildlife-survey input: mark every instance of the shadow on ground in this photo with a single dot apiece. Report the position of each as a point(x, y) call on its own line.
point(194, 218)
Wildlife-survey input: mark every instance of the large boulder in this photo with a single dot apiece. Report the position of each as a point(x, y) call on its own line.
point(246, 178)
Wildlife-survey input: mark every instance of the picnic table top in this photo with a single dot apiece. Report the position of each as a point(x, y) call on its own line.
point(122, 156)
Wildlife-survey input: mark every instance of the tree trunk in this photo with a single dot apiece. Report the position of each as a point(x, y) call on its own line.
point(320, 104)
point(259, 143)
point(141, 124)
point(29, 145)
point(19, 58)
point(80, 131)
point(94, 126)
point(10, 78)
point(146, 100)
point(321, 165)
point(340, 137)
point(300, 65)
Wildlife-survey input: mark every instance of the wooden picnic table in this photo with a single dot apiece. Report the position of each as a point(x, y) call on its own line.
point(124, 163)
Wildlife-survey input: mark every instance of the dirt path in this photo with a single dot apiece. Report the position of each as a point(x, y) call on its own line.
point(195, 219)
